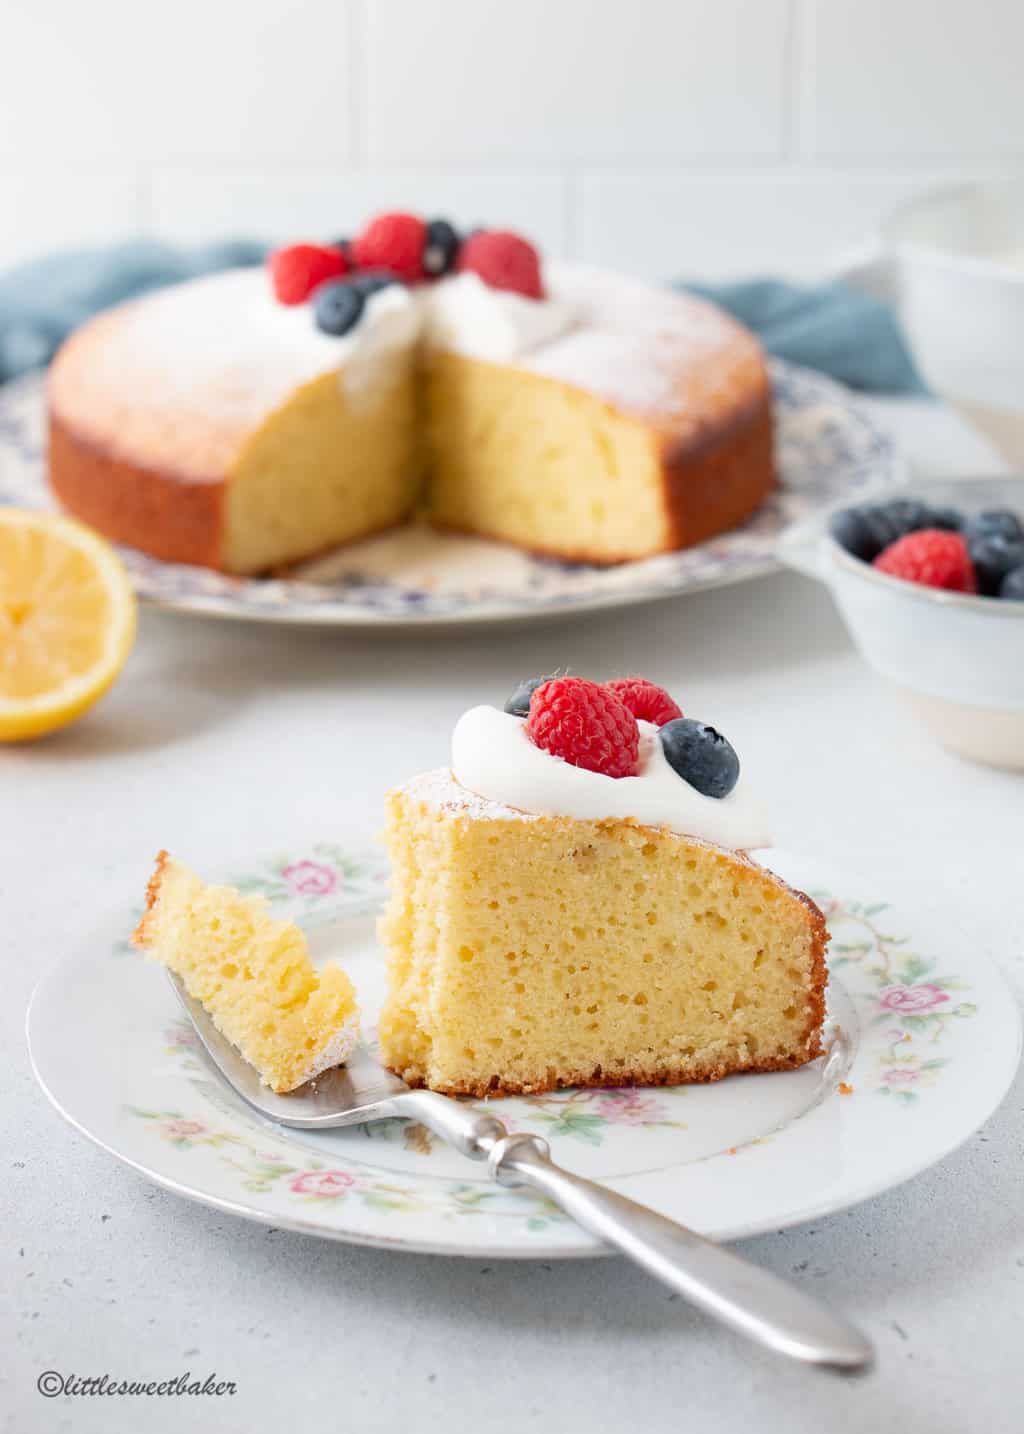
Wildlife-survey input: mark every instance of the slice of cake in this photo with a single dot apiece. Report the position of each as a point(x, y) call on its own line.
point(252, 973)
point(571, 905)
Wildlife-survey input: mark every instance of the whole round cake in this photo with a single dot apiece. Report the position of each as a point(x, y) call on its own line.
point(245, 421)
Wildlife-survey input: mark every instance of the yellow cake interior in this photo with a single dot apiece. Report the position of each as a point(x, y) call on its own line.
point(531, 461)
point(327, 467)
point(529, 953)
point(514, 455)
point(251, 972)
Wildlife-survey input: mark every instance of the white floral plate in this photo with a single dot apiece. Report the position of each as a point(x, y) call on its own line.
point(826, 448)
point(924, 1039)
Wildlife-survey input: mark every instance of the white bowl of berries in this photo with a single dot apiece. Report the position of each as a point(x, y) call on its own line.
point(931, 585)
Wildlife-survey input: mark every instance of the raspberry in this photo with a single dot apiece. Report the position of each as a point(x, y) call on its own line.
point(584, 724)
point(646, 701)
point(932, 557)
point(394, 242)
point(298, 269)
point(503, 260)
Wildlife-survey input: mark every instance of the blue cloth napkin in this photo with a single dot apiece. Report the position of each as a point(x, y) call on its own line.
point(841, 331)
point(829, 327)
point(43, 300)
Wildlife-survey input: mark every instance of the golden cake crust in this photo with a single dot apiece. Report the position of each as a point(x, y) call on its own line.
point(141, 936)
point(150, 404)
point(176, 518)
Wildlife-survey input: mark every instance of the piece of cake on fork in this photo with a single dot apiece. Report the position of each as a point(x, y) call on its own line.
point(253, 974)
point(573, 903)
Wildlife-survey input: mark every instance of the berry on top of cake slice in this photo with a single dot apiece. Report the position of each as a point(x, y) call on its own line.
point(252, 973)
point(572, 903)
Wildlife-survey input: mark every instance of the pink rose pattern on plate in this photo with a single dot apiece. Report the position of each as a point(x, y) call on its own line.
point(912, 999)
point(908, 991)
point(324, 1184)
point(184, 1129)
point(630, 1106)
point(311, 878)
point(319, 881)
point(266, 1172)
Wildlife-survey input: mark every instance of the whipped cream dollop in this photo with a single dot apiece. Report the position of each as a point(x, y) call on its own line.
point(493, 757)
point(385, 337)
point(465, 316)
point(460, 314)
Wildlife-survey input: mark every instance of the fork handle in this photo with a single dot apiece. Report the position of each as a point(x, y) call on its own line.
point(743, 1296)
point(471, 1131)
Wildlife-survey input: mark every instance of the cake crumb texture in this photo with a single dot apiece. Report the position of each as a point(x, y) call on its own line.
point(252, 973)
point(529, 955)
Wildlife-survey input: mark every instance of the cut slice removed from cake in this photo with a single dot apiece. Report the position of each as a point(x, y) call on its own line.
point(528, 952)
point(252, 973)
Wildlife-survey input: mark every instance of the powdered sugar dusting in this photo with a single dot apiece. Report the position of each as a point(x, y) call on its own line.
point(182, 377)
point(650, 350)
point(337, 1050)
point(440, 789)
point(188, 373)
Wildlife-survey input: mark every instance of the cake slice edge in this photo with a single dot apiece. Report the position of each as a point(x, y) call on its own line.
point(301, 1024)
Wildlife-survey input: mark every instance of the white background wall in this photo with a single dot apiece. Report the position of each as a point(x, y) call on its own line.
point(666, 136)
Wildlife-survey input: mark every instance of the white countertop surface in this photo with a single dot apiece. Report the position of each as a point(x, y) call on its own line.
point(242, 737)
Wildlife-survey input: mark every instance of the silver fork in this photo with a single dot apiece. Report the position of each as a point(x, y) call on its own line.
point(748, 1299)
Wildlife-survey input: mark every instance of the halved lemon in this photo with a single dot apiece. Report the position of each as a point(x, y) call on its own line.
point(67, 621)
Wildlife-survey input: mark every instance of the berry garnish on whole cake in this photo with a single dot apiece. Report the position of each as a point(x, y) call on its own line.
point(440, 248)
point(503, 260)
point(394, 242)
point(981, 553)
point(298, 270)
point(338, 278)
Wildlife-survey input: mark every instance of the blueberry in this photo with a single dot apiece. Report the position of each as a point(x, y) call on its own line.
point(994, 522)
point(950, 520)
point(345, 245)
point(863, 531)
point(441, 247)
point(910, 515)
point(906, 515)
point(371, 281)
point(993, 557)
point(519, 703)
point(1013, 585)
point(337, 307)
point(700, 755)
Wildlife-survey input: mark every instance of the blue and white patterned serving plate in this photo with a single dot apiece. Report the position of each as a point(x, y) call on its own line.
point(827, 450)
